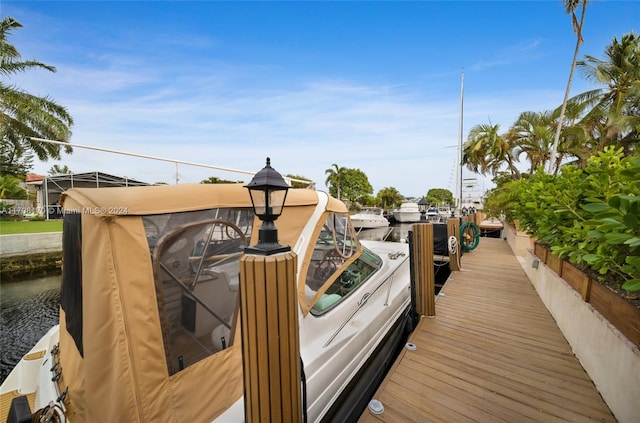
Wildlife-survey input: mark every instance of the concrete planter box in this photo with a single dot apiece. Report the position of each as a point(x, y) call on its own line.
point(619, 312)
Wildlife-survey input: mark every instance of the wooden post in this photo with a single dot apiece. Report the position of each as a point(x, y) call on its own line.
point(270, 338)
point(453, 229)
point(423, 270)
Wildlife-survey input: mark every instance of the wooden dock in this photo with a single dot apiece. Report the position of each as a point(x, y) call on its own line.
point(492, 353)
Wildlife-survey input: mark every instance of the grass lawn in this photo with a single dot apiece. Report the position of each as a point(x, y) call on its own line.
point(9, 227)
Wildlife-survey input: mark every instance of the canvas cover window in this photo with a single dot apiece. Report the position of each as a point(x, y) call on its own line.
point(339, 264)
point(196, 269)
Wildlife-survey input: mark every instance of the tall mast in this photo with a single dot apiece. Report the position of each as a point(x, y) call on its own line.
point(459, 175)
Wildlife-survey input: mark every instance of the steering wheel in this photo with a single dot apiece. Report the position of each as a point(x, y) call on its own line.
point(325, 268)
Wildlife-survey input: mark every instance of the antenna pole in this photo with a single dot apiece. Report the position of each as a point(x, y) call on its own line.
point(459, 176)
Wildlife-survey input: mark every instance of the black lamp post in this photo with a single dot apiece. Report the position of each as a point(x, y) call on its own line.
point(268, 190)
point(422, 206)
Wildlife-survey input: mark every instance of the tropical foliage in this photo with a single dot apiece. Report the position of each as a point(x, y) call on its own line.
point(335, 176)
point(57, 169)
point(486, 151)
point(23, 115)
point(439, 196)
point(590, 122)
point(350, 185)
point(355, 186)
point(571, 7)
point(216, 180)
point(589, 216)
point(389, 198)
point(589, 211)
point(11, 164)
point(11, 188)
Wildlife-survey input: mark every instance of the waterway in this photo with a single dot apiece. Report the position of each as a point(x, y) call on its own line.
point(28, 309)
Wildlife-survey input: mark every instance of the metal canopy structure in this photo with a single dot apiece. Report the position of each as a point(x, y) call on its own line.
point(53, 186)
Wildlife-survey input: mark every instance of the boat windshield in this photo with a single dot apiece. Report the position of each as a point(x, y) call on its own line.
point(339, 264)
point(196, 266)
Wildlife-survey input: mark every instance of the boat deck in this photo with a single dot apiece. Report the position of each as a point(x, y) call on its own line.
point(492, 353)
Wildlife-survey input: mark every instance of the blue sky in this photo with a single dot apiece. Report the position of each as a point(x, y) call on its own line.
point(367, 85)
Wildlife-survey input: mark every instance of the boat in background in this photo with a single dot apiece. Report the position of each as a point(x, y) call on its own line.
point(491, 227)
point(409, 212)
point(432, 215)
point(149, 325)
point(471, 196)
point(369, 218)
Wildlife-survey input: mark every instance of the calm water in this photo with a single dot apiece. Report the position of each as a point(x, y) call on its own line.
point(28, 309)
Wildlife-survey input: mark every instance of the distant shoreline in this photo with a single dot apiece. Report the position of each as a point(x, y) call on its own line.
point(25, 254)
point(18, 267)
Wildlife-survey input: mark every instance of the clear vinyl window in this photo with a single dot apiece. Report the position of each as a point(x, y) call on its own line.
point(196, 268)
point(339, 264)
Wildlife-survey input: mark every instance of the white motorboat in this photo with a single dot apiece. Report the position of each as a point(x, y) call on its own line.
point(409, 212)
point(149, 322)
point(369, 218)
point(432, 215)
point(446, 212)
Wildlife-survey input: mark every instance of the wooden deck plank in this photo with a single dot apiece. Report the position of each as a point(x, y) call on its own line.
point(492, 353)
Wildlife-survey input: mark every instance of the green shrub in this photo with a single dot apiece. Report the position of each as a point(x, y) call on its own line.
point(590, 217)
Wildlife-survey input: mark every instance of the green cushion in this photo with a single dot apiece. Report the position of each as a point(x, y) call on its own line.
point(326, 301)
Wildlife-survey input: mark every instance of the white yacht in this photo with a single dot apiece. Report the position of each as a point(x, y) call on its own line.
point(409, 212)
point(369, 218)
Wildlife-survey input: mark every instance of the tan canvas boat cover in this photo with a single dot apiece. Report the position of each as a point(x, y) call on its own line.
point(122, 374)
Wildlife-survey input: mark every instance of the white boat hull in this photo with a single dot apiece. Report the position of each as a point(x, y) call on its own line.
point(369, 223)
point(369, 219)
point(407, 217)
point(407, 213)
point(34, 373)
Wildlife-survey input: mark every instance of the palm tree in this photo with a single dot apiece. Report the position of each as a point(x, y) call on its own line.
point(13, 162)
point(24, 115)
point(486, 151)
point(10, 188)
point(570, 7)
point(577, 140)
point(389, 197)
point(335, 174)
point(532, 133)
point(613, 115)
point(57, 169)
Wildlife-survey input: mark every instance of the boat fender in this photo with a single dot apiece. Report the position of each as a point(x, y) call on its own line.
point(19, 410)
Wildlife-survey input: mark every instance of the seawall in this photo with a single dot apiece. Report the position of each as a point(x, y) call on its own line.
point(22, 254)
